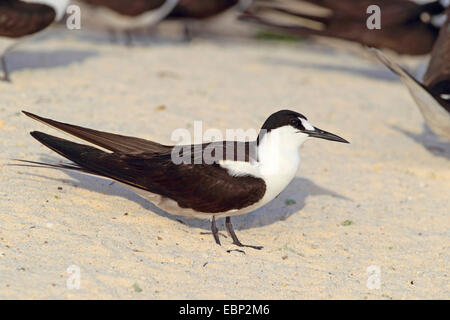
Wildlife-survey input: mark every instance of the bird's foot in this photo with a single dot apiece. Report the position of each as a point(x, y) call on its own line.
point(239, 244)
point(219, 233)
point(235, 238)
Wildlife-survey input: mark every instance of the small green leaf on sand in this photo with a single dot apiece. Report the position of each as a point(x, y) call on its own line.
point(136, 287)
point(290, 202)
point(347, 223)
point(273, 36)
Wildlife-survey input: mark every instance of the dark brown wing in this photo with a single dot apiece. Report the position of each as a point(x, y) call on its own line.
point(394, 12)
point(414, 37)
point(437, 77)
point(231, 150)
point(130, 8)
point(200, 9)
point(19, 18)
point(201, 187)
point(109, 141)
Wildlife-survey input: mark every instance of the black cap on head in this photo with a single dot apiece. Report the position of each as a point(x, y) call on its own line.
point(294, 119)
point(280, 119)
point(283, 118)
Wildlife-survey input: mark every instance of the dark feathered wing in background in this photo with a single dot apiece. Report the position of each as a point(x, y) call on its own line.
point(403, 28)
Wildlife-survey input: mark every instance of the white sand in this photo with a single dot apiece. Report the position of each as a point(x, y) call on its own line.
point(392, 182)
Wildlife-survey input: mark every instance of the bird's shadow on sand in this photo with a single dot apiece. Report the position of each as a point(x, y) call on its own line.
point(290, 201)
point(429, 141)
point(39, 59)
point(138, 38)
point(377, 72)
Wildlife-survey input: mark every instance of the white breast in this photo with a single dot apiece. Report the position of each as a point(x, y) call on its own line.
point(117, 21)
point(278, 163)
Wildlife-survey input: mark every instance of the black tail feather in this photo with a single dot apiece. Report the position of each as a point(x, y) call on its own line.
point(72, 151)
point(37, 164)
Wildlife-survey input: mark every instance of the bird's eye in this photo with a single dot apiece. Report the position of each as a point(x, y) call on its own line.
point(295, 123)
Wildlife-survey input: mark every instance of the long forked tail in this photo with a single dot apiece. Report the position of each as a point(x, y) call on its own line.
point(391, 65)
point(79, 154)
point(37, 164)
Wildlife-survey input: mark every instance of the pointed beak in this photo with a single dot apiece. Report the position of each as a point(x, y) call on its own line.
point(318, 133)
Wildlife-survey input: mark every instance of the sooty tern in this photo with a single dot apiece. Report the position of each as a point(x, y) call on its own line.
point(406, 26)
point(433, 95)
point(243, 176)
point(20, 19)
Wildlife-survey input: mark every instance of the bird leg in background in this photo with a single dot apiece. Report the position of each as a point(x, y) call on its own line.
point(128, 38)
point(5, 70)
point(235, 238)
point(187, 31)
point(112, 35)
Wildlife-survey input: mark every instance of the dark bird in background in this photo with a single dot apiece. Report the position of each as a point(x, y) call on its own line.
point(406, 26)
point(22, 19)
point(241, 176)
point(437, 77)
point(127, 16)
point(432, 96)
point(201, 9)
point(189, 11)
point(131, 8)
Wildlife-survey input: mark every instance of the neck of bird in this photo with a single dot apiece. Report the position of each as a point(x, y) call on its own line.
point(277, 157)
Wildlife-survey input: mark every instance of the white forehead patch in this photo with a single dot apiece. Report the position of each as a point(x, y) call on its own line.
point(306, 124)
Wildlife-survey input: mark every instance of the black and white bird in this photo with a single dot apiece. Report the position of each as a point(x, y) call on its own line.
point(433, 95)
point(19, 19)
point(243, 176)
point(126, 16)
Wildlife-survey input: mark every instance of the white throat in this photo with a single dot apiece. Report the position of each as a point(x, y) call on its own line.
point(147, 19)
point(278, 154)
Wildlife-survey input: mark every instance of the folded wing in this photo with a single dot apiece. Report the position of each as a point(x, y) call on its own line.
point(18, 19)
point(202, 187)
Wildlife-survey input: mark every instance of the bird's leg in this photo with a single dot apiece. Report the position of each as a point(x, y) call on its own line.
point(214, 230)
point(5, 69)
point(128, 38)
point(235, 238)
point(187, 31)
point(112, 35)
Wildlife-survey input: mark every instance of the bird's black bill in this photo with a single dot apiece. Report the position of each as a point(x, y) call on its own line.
point(318, 133)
